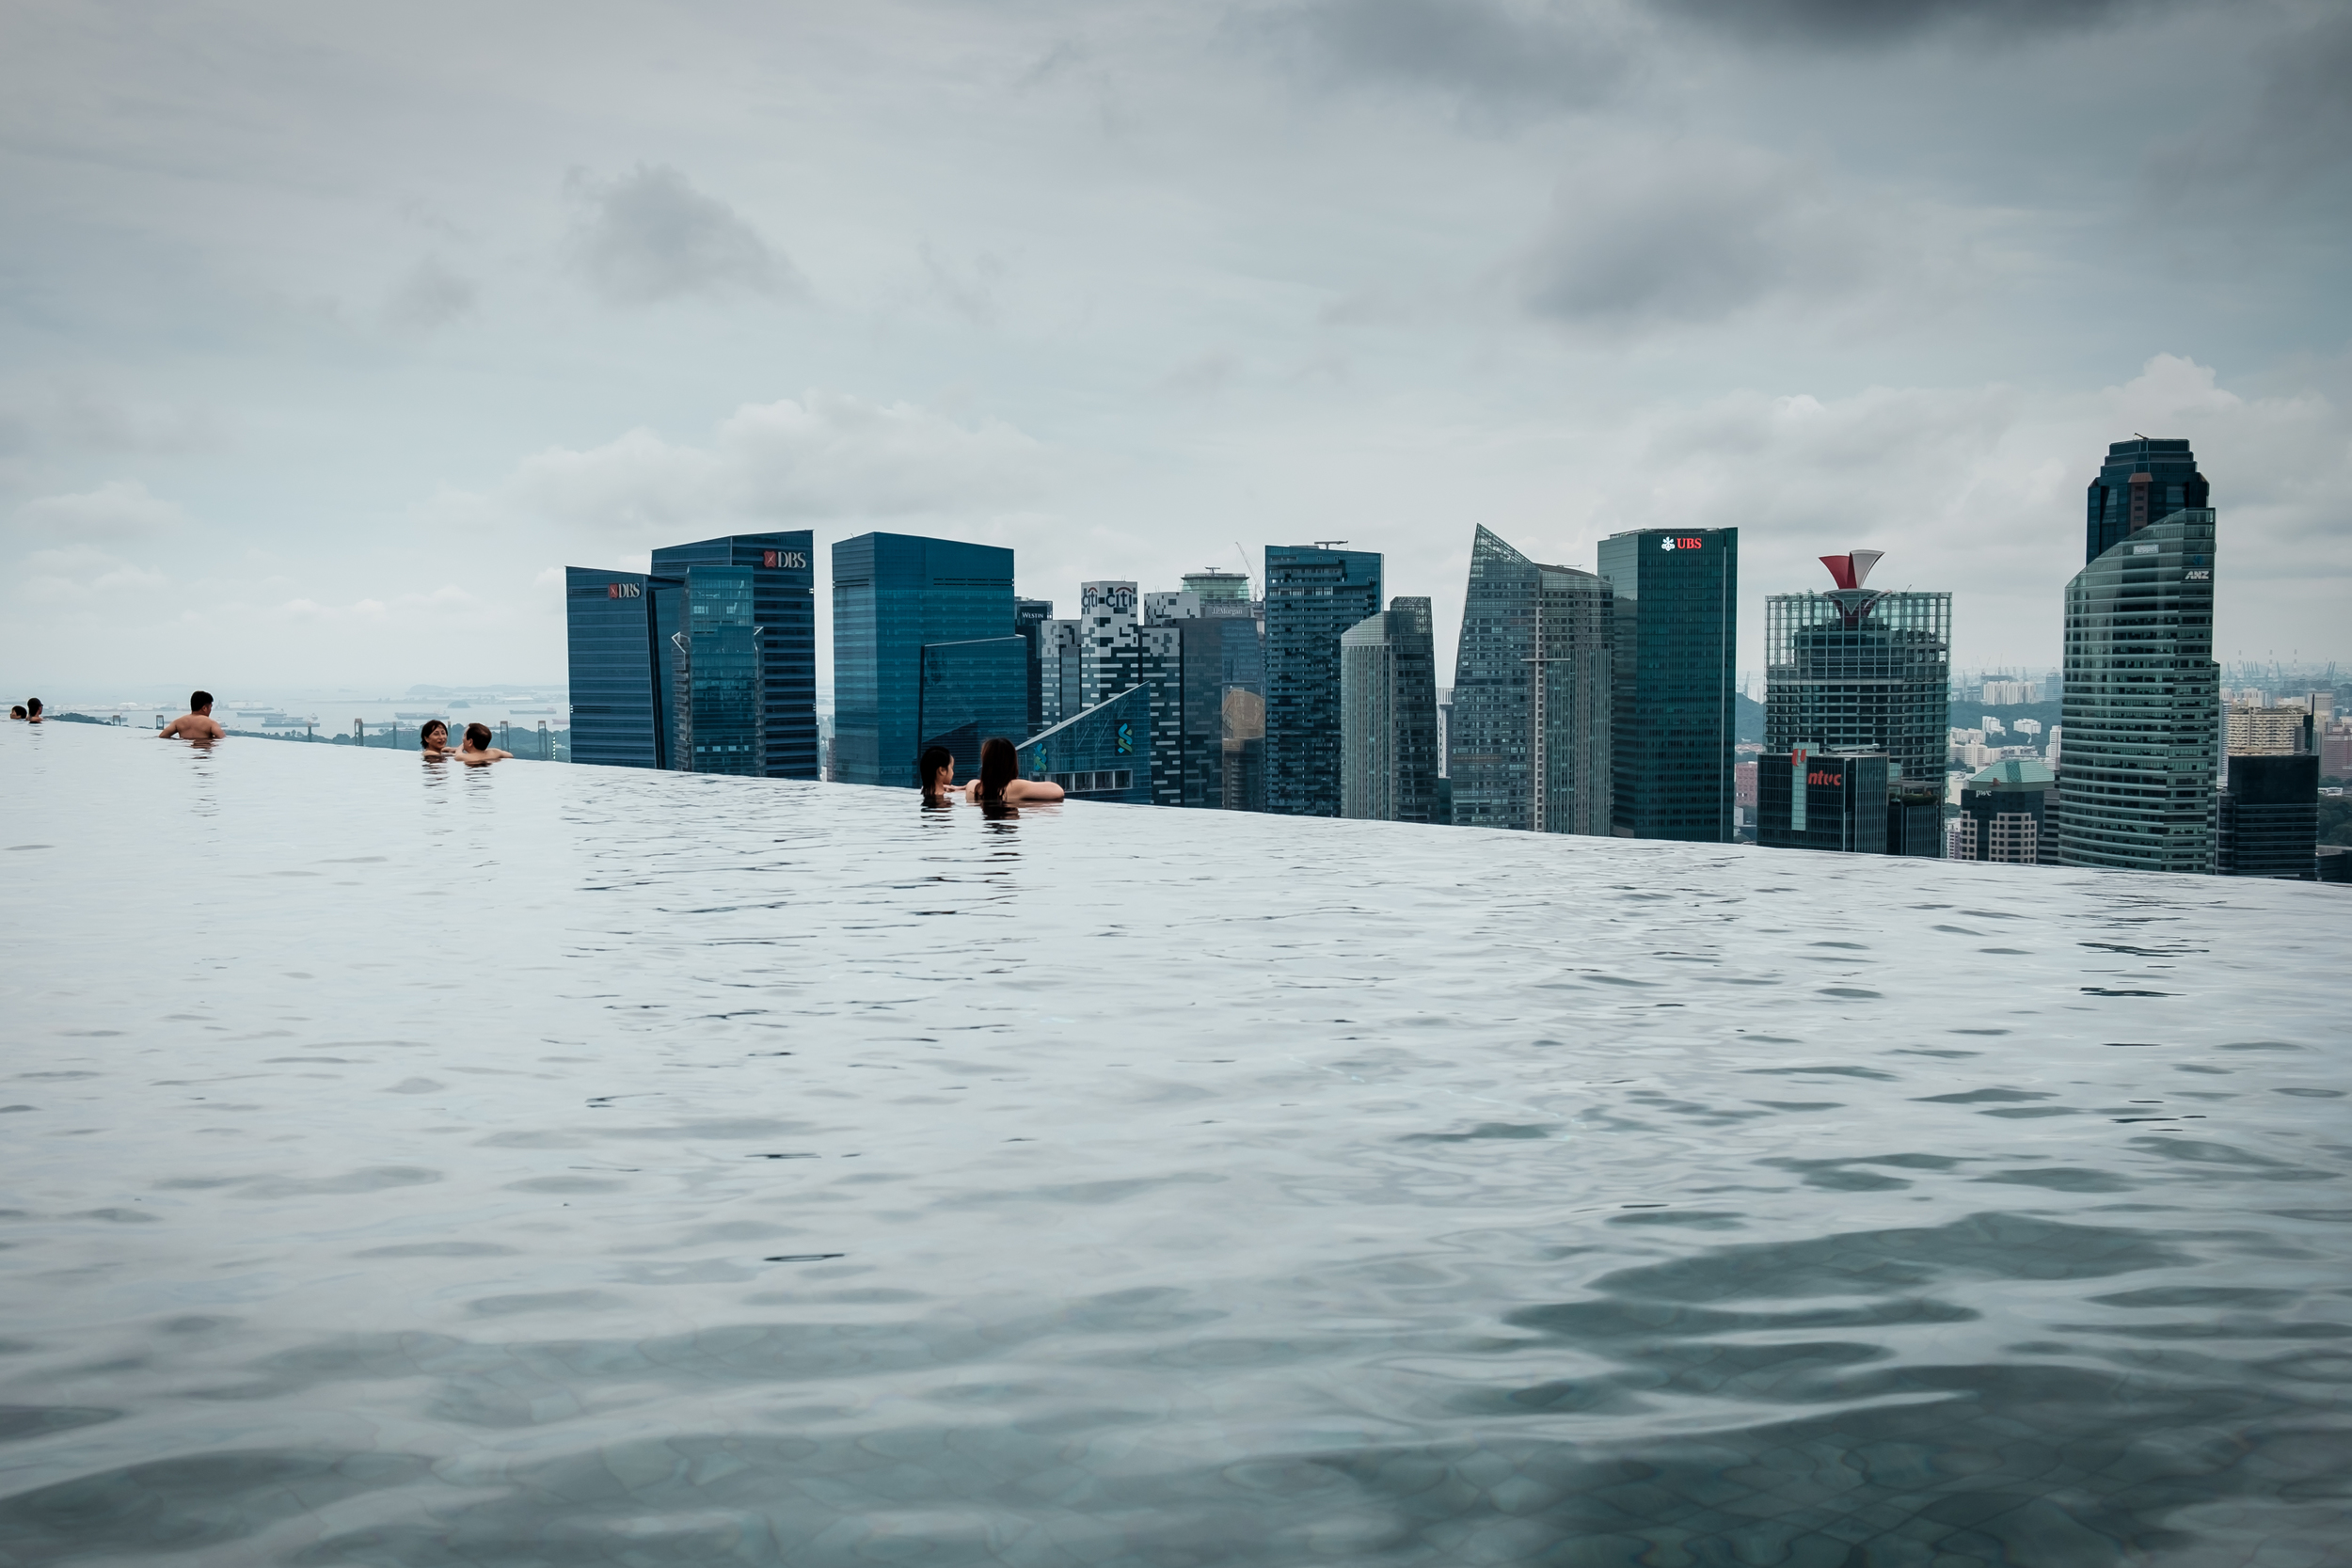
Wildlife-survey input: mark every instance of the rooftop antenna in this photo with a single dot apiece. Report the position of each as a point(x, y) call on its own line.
point(1245, 559)
point(1329, 544)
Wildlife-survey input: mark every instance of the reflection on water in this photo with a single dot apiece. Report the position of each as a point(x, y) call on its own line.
point(559, 1165)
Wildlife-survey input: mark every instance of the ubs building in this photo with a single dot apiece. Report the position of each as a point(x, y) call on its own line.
point(1673, 680)
point(708, 664)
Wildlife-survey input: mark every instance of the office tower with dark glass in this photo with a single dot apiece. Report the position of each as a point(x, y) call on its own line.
point(784, 607)
point(2142, 482)
point(2269, 817)
point(1674, 636)
point(1388, 714)
point(2141, 707)
point(618, 628)
point(1314, 594)
point(716, 624)
point(894, 596)
point(1030, 620)
point(1527, 739)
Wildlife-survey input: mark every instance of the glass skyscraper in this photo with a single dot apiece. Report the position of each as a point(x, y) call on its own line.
point(1860, 669)
point(1389, 715)
point(970, 691)
point(1673, 674)
point(2141, 481)
point(1030, 620)
point(1313, 595)
point(1103, 754)
point(1527, 744)
point(2142, 702)
point(893, 595)
point(641, 672)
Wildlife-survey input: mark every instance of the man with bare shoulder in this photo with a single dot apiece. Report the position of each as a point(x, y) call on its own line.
point(477, 752)
point(198, 723)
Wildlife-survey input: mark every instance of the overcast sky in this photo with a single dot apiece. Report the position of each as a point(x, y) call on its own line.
point(329, 334)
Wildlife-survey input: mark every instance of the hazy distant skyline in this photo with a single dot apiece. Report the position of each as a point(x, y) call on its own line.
point(328, 338)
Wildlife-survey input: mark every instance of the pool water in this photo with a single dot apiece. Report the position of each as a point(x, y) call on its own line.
point(561, 1165)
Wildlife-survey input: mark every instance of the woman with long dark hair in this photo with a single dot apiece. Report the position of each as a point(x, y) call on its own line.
point(936, 773)
point(1000, 782)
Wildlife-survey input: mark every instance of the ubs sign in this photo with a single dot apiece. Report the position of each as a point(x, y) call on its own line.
point(1681, 541)
point(783, 561)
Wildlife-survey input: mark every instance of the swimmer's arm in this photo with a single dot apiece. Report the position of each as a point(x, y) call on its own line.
point(1041, 790)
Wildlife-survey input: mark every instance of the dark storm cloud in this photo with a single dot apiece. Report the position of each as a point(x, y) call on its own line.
point(2295, 132)
point(1501, 57)
point(1691, 237)
point(1877, 21)
point(650, 236)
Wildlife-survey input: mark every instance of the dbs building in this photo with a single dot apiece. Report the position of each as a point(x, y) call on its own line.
point(705, 664)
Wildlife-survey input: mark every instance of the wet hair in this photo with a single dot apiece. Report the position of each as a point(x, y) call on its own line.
point(199, 701)
point(934, 758)
point(478, 737)
point(17, 712)
point(430, 725)
point(999, 766)
point(32, 708)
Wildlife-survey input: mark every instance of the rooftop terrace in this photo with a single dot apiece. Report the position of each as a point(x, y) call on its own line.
point(549, 1164)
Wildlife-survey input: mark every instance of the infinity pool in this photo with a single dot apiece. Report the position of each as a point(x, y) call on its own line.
point(561, 1165)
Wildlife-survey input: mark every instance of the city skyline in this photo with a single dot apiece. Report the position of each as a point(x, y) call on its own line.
point(279, 379)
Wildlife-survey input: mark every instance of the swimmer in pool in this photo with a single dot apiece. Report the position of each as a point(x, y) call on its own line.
point(434, 740)
point(1000, 782)
point(936, 773)
point(477, 752)
point(198, 723)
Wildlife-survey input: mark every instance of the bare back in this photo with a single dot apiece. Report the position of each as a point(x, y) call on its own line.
point(192, 726)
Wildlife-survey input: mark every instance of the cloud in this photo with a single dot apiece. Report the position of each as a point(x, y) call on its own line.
point(429, 298)
point(2295, 132)
point(81, 575)
point(1880, 22)
point(76, 418)
point(1689, 234)
point(821, 457)
point(650, 235)
point(1204, 374)
point(119, 509)
point(1501, 57)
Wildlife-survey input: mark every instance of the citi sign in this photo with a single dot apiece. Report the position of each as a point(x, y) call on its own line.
point(1681, 543)
point(783, 561)
point(624, 591)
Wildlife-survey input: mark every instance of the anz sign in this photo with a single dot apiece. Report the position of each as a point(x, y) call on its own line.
point(783, 561)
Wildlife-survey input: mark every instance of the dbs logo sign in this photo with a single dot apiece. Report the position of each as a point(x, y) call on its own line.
point(623, 590)
point(1683, 541)
point(789, 561)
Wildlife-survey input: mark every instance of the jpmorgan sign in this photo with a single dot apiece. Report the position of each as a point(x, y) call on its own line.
point(783, 561)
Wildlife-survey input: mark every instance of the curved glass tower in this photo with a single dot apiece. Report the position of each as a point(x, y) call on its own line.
point(2143, 706)
point(1529, 740)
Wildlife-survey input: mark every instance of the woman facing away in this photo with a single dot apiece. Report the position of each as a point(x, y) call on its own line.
point(1000, 781)
point(936, 773)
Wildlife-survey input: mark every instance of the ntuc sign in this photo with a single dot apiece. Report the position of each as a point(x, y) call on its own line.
point(783, 561)
point(624, 591)
point(1821, 777)
point(1681, 541)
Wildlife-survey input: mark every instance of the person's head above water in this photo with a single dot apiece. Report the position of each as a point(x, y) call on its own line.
point(17, 712)
point(999, 766)
point(432, 727)
point(32, 708)
point(199, 702)
point(926, 772)
point(478, 737)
